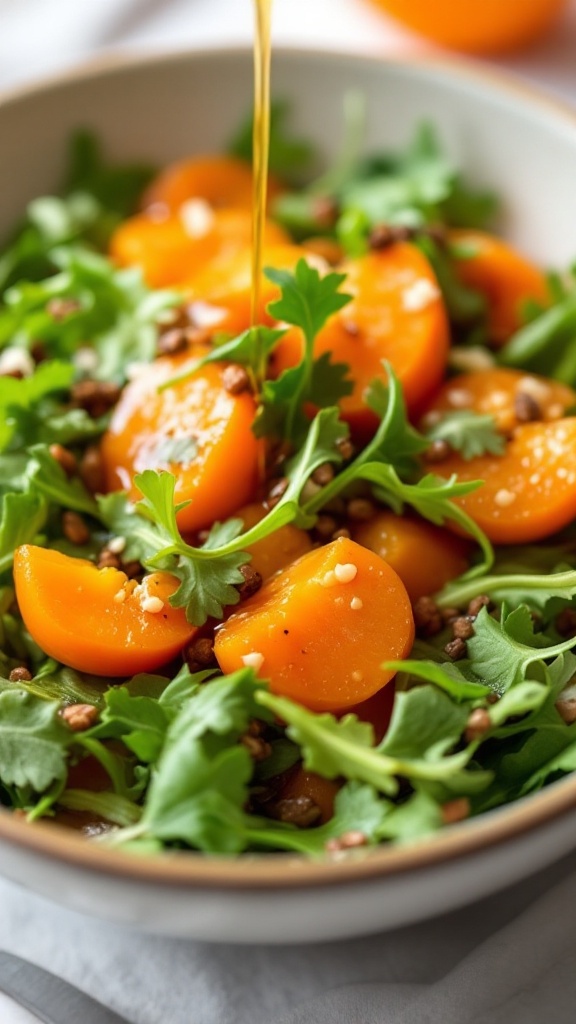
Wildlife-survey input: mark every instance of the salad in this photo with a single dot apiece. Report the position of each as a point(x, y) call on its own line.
point(305, 585)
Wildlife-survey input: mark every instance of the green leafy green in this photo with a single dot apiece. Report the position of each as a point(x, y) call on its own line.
point(469, 433)
point(288, 157)
point(33, 742)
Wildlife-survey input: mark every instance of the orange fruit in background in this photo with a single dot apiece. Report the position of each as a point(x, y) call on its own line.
point(476, 26)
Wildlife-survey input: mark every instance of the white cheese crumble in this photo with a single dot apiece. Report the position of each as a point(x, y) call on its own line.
point(204, 315)
point(117, 545)
point(419, 294)
point(504, 498)
point(16, 360)
point(253, 660)
point(345, 572)
point(356, 604)
point(151, 604)
point(197, 217)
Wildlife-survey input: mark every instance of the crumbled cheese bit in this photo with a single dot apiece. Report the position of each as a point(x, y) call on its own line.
point(562, 472)
point(356, 604)
point(151, 604)
point(116, 545)
point(357, 676)
point(202, 314)
point(16, 360)
point(197, 217)
point(345, 572)
point(419, 294)
point(459, 398)
point(120, 596)
point(504, 498)
point(253, 660)
point(534, 479)
point(86, 359)
point(328, 579)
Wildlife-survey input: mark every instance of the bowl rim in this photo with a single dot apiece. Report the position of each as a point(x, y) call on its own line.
point(288, 871)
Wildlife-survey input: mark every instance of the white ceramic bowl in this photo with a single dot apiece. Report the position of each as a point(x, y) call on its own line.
point(160, 109)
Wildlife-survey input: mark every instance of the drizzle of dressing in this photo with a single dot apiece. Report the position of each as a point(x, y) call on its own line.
point(260, 141)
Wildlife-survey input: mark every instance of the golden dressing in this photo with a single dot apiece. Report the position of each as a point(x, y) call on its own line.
point(260, 143)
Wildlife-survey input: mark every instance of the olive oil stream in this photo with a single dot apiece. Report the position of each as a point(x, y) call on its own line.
point(260, 142)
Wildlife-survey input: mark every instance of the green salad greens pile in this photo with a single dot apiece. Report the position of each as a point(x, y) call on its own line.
point(171, 752)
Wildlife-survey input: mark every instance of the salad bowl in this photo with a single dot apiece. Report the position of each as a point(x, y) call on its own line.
point(158, 109)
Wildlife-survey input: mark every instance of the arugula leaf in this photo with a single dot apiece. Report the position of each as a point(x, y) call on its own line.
point(46, 476)
point(22, 517)
point(534, 589)
point(469, 433)
point(141, 723)
point(33, 741)
point(502, 652)
point(447, 677)
point(545, 343)
point(334, 747)
point(420, 815)
point(414, 187)
point(114, 310)
point(110, 806)
point(25, 394)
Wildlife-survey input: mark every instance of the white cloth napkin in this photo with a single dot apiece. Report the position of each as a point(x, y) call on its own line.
point(507, 960)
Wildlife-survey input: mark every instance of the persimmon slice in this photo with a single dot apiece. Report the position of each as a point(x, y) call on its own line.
point(196, 429)
point(96, 620)
point(320, 630)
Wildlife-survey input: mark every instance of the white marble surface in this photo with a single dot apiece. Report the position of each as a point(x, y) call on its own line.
point(507, 960)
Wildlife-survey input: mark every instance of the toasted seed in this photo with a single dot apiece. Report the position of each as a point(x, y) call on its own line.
point(347, 841)
point(235, 379)
point(296, 810)
point(427, 617)
point(172, 341)
point(95, 396)
point(258, 748)
point(478, 723)
point(79, 716)
point(455, 810)
point(325, 527)
point(65, 458)
point(20, 675)
point(324, 474)
point(361, 510)
point(91, 470)
point(437, 451)
point(74, 528)
point(252, 581)
point(456, 649)
point(477, 604)
point(200, 654)
point(462, 628)
point(526, 408)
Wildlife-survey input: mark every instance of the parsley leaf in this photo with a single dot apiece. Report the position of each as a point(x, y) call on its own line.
point(469, 433)
point(306, 301)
